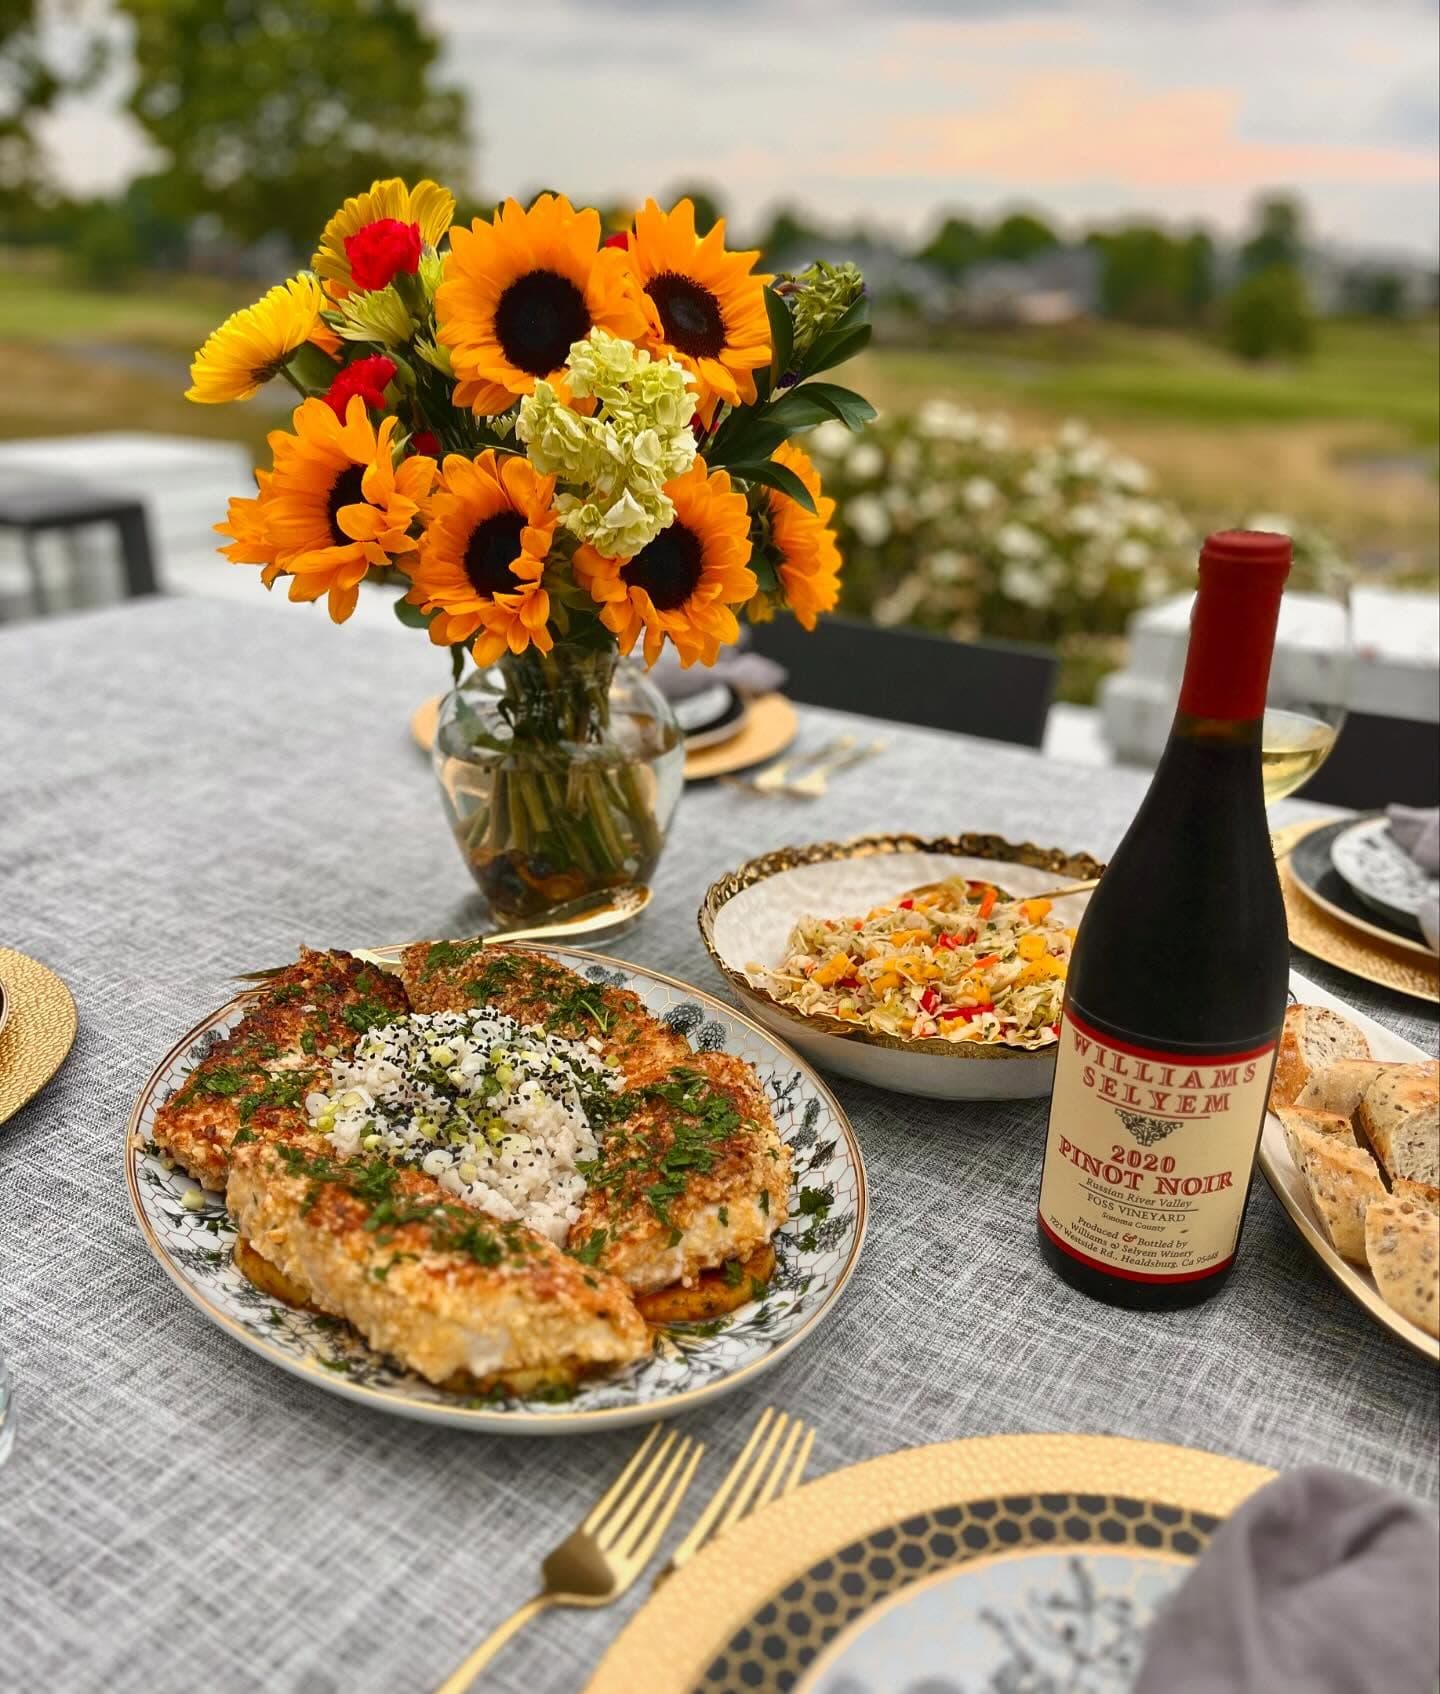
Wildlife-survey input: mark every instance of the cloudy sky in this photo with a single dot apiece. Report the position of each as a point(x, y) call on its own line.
point(891, 111)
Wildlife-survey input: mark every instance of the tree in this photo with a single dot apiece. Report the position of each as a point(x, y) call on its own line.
point(1279, 237)
point(1142, 275)
point(1267, 315)
point(1197, 262)
point(270, 112)
point(1020, 237)
point(954, 247)
point(788, 233)
point(30, 84)
point(708, 207)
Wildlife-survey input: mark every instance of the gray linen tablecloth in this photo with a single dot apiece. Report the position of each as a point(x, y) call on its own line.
point(188, 789)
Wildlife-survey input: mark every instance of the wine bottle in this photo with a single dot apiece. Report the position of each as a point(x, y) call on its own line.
point(1178, 981)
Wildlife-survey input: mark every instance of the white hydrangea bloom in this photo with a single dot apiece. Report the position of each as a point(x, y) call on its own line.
point(869, 519)
point(865, 461)
point(979, 493)
point(612, 465)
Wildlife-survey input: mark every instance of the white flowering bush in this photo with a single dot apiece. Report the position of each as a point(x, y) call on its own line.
point(949, 523)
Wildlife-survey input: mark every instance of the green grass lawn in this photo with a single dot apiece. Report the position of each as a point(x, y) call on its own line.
point(1386, 375)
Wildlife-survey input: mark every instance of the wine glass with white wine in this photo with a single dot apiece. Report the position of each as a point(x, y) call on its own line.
point(1309, 678)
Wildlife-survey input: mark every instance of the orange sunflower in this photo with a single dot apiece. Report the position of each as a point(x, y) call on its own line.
point(378, 215)
point(483, 554)
point(687, 581)
point(809, 559)
point(336, 505)
point(705, 307)
point(519, 290)
point(251, 542)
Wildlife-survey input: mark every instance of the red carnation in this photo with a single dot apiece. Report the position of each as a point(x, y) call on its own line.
point(367, 378)
point(380, 250)
point(620, 240)
point(424, 442)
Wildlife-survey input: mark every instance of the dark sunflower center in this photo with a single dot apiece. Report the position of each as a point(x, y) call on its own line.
point(344, 491)
point(668, 568)
point(690, 314)
point(494, 543)
point(538, 317)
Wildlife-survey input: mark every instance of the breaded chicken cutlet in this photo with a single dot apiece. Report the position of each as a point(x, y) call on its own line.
point(448, 1291)
point(312, 1010)
point(692, 1174)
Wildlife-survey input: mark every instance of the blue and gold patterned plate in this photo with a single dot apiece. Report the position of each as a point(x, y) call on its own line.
point(989, 1566)
point(815, 1252)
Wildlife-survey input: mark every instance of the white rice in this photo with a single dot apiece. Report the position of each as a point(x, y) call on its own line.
point(490, 1107)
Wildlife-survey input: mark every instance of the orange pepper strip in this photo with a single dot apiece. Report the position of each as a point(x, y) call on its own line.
point(989, 959)
point(987, 902)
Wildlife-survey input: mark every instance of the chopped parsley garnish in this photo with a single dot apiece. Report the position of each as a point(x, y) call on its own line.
point(223, 1081)
point(287, 992)
point(442, 955)
point(593, 1246)
point(492, 977)
point(816, 1202)
point(734, 1273)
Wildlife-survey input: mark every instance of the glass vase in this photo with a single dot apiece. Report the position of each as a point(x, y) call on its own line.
point(560, 773)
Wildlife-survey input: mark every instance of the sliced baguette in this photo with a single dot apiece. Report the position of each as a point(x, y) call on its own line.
point(1422, 1194)
point(1293, 1119)
point(1402, 1243)
point(1399, 1113)
point(1312, 1040)
point(1341, 1088)
point(1343, 1182)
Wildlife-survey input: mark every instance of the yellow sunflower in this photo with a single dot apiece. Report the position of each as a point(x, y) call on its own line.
point(427, 205)
point(809, 559)
point(253, 344)
point(520, 289)
point(337, 505)
point(705, 307)
point(687, 581)
point(251, 542)
point(483, 554)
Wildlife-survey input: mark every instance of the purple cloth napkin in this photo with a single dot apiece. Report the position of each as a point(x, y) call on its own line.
point(749, 673)
point(1417, 832)
point(1321, 1583)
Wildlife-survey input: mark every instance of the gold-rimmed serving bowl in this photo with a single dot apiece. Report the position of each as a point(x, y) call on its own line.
point(747, 916)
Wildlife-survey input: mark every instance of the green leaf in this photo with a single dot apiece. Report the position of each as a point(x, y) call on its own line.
point(835, 347)
point(749, 438)
point(782, 335)
point(457, 661)
point(818, 400)
point(411, 616)
point(765, 573)
point(771, 475)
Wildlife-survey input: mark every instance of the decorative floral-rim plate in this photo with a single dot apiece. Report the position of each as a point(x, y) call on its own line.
point(815, 1252)
point(1310, 865)
point(1382, 873)
point(747, 915)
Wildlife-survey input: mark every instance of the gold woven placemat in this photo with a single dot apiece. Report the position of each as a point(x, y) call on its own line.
point(1314, 931)
point(40, 1030)
point(669, 1642)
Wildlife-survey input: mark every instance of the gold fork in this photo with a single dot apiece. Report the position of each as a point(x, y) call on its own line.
point(758, 1476)
point(609, 1550)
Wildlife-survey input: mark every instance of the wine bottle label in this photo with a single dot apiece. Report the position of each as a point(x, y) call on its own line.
point(1149, 1154)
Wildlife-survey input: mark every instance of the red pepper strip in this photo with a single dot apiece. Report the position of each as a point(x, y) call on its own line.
point(905, 906)
point(848, 982)
point(1054, 1028)
point(967, 1012)
point(987, 903)
point(930, 1001)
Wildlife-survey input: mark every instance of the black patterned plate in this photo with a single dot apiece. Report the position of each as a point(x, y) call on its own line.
point(1311, 866)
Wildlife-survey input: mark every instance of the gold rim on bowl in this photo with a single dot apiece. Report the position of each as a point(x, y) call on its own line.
point(1078, 867)
point(529, 1422)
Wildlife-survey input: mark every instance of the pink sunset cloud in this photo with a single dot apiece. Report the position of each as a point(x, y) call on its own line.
point(1071, 126)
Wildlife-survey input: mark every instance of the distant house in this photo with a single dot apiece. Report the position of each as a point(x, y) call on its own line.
point(891, 278)
point(1057, 286)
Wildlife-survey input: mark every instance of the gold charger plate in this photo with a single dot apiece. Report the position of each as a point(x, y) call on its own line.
point(38, 1031)
point(728, 1619)
point(1341, 942)
point(767, 729)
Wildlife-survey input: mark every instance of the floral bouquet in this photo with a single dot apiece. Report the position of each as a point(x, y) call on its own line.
point(566, 445)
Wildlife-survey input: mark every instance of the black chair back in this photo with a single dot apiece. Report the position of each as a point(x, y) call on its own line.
point(985, 688)
point(1377, 762)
